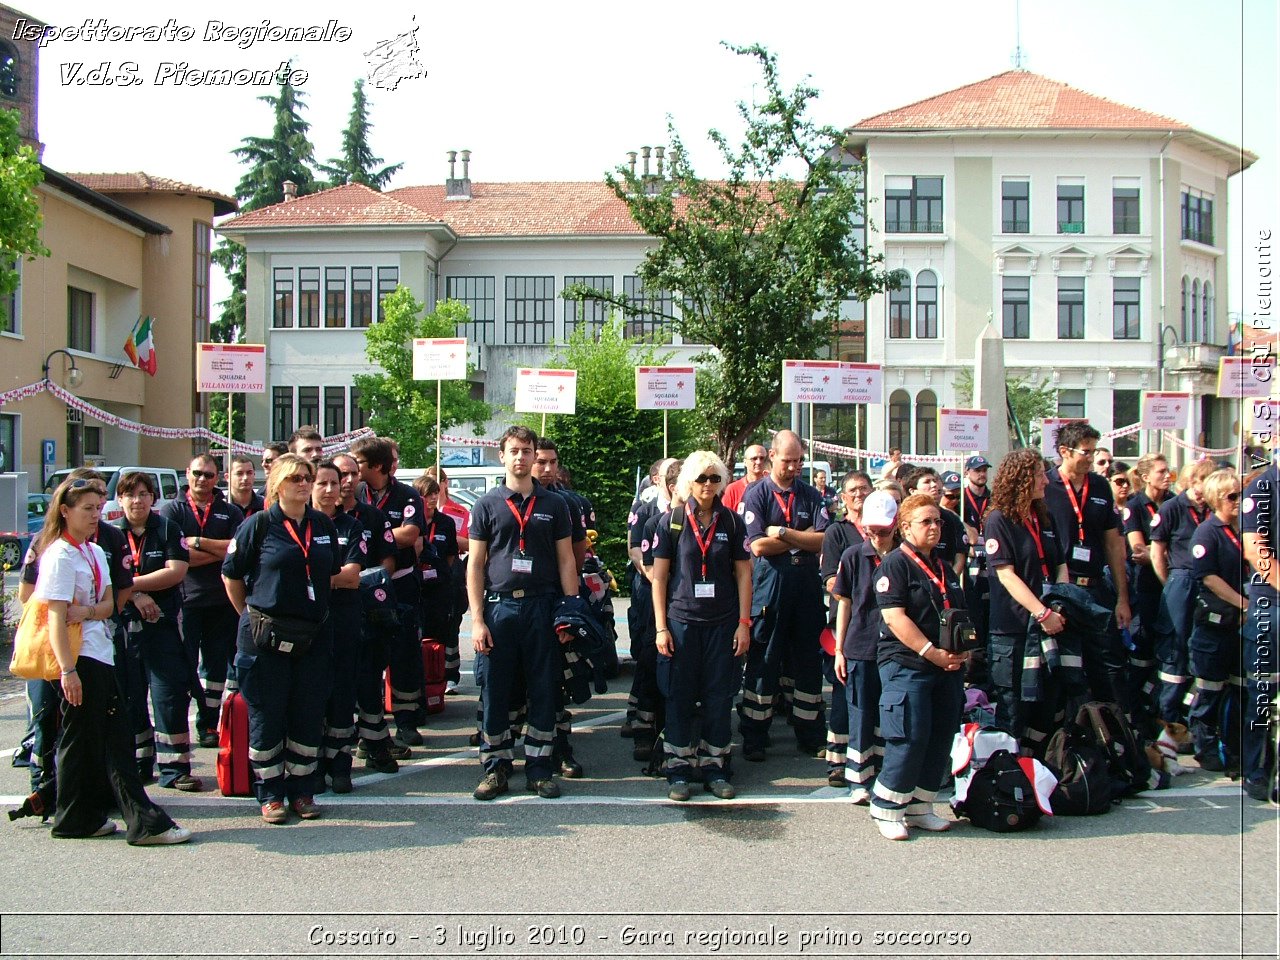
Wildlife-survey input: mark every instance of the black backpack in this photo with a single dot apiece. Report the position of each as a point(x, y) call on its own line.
point(1000, 797)
point(1084, 779)
point(1127, 762)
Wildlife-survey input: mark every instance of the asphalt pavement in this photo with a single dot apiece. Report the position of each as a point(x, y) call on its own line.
point(410, 865)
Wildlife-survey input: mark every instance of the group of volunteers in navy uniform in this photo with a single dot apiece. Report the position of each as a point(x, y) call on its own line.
point(309, 595)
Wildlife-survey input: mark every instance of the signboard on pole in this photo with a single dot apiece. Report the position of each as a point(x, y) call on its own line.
point(861, 383)
point(1165, 411)
point(665, 388)
point(1247, 376)
point(231, 368)
point(1049, 427)
point(440, 359)
point(811, 381)
point(962, 429)
point(546, 391)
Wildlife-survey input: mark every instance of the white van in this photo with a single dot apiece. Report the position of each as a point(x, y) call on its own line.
point(168, 482)
point(479, 480)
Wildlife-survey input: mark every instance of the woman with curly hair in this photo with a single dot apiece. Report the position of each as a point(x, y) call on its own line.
point(1026, 554)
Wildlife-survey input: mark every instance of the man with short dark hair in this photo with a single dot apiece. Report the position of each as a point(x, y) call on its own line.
point(1083, 509)
point(240, 486)
point(403, 507)
point(269, 453)
point(307, 443)
point(521, 562)
point(209, 621)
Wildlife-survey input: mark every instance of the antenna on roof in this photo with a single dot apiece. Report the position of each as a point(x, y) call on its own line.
point(1019, 57)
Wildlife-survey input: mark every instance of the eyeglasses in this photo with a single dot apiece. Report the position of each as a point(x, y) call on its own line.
point(1079, 453)
point(298, 478)
point(708, 478)
point(1233, 497)
point(950, 494)
point(858, 492)
point(930, 522)
point(206, 474)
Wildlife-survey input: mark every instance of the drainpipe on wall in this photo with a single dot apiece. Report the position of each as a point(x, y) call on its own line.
point(1154, 442)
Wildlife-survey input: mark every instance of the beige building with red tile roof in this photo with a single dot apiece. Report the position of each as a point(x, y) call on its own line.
point(1085, 230)
point(318, 265)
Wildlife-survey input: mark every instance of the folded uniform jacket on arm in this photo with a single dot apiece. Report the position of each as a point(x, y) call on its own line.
point(1062, 655)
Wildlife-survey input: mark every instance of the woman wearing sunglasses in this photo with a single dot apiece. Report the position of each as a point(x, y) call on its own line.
point(1217, 565)
point(922, 686)
point(702, 608)
point(278, 575)
point(95, 753)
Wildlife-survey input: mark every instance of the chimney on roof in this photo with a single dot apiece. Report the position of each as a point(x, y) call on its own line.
point(459, 188)
point(658, 152)
point(631, 159)
point(290, 190)
point(644, 154)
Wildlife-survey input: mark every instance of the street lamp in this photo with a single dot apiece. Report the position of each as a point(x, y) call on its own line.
point(75, 376)
point(1170, 354)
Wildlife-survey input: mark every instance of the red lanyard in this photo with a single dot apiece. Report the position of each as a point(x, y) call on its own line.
point(88, 558)
point(1075, 504)
point(368, 496)
point(977, 507)
point(135, 550)
point(1033, 527)
point(431, 534)
point(703, 545)
point(1200, 519)
point(305, 547)
point(928, 572)
point(857, 526)
point(528, 512)
point(1232, 537)
point(200, 521)
point(786, 507)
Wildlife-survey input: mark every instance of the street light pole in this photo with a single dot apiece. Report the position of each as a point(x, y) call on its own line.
point(75, 431)
point(1160, 366)
point(75, 376)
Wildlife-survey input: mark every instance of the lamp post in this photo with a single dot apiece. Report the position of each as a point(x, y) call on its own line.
point(1163, 354)
point(75, 431)
point(75, 376)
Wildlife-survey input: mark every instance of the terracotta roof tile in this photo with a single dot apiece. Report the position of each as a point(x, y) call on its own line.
point(1017, 99)
point(351, 204)
point(139, 182)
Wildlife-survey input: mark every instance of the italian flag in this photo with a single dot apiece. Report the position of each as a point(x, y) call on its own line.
point(140, 348)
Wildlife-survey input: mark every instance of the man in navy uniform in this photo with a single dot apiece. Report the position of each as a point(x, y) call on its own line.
point(403, 508)
point(1084, 513)
point(521, 563)
point(209, 621)
point(785, 520)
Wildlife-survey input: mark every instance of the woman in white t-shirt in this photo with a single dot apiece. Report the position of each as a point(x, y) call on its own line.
point(95, 752)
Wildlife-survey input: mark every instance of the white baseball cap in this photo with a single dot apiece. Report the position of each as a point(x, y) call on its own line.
point(879, 509)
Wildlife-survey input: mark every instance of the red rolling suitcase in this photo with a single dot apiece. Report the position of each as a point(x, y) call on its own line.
point(432, 677)
point(235, 777)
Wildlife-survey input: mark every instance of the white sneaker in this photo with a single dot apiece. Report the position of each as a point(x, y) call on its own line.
point(450, 688)
point(107, 829)
point(928, 821)
point(860, 796)
point(892, 829)
point(174, 834)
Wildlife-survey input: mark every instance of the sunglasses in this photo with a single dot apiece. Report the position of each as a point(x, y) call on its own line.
point(1233, 497)
point(81, 482)
point(298, 478)
point(708, 478)
point(1103, 462)
point(950, 494)
point(207, 474)
point(1120, 481)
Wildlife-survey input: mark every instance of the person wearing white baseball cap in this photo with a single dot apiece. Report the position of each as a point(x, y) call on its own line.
point(858, 624)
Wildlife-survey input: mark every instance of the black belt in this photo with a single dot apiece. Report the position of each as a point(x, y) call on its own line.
point(796, 560)
point(518, 595)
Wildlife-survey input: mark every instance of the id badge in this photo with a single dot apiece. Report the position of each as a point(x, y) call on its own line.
point(311, 593)
point(974, 570)
point(704, 591)
point(522, 565)
point(135, 626)
point(430, 573)
point(1081, 553)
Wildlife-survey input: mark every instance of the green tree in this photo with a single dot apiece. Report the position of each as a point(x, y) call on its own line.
point(398, 405)
point(20, 218)
point(285, 155)
point(760, 260)
point(357, 163)
point(608, 438)
point(1029, 401)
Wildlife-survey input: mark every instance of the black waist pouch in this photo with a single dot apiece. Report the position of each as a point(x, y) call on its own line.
point(291, 636)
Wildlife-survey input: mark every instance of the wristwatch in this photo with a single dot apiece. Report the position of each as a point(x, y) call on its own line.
point(195, 542)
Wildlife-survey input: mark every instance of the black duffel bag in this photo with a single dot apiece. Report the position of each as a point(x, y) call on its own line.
point(291, 636)
point(1215, 613)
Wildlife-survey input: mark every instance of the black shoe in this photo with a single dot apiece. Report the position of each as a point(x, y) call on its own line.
point(146, 776)
point(1259, 790)
point(209, 739)
point(341, 782)
point(1211, 761)
point(409, 735)
point(643, 750)
point(398, 751)
point(492, 786)
point(570, 768)
point(474, 739)
point(547, 789)
point(809, 750)
point(836, 778)
point(383, 763)
point(753, 753)
point(628, 728)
